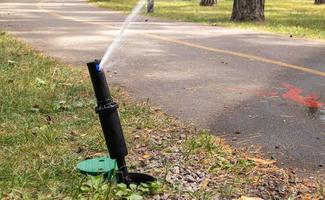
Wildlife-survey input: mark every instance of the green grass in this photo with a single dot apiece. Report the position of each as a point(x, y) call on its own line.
point(37, 156)
point(47, 125)
point(299, 18)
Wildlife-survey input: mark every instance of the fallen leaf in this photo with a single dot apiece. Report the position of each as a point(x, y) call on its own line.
point(146, 156)
point(204, 184)
point(262, 161)
point(249, 198)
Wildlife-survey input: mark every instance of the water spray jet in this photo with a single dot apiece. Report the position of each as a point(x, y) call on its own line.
point(125, 26)
point(113, 134)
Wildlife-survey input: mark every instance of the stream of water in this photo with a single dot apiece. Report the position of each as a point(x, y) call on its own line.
point(125, 26)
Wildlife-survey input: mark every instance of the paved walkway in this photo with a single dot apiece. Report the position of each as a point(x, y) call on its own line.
point(258, 90)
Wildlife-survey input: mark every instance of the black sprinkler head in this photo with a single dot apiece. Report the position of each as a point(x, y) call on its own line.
point(111, 126)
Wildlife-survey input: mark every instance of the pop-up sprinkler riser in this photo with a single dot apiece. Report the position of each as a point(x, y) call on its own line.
point(111, 126)
point(109, 119)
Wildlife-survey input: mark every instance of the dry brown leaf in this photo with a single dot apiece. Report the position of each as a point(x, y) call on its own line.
point(204, 184)
point(262, 161)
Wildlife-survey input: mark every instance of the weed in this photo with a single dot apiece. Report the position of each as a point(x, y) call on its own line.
point(97, 188)
point(204, 142)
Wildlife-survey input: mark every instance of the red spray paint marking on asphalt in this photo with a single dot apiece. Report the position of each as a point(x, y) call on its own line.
point(294, 94)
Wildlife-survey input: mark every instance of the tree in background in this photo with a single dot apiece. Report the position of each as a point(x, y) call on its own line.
point(319, 1)
point(150, 6)
point(208, 2)
point(248, 10)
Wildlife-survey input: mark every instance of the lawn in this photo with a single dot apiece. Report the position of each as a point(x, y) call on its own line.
point(300, 18)
point(47, 125)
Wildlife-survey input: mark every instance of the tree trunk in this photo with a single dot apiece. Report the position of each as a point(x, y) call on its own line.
point(150, 6)
point(248, 10)
point(208, 2)
point(319, 1)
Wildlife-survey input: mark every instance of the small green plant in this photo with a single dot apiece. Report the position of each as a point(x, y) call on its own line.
point(206, 142)
point(98, 188)
point(202, 195)
point(227, 190)
point(131, 192)
point(222, 164)
point(134, 192)
point(95, 187)
point(236, 165)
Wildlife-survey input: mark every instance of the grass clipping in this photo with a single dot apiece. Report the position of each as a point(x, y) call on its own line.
point(47, 125)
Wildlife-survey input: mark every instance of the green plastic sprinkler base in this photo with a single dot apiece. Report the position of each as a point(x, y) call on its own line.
point(108, 167)
point(96, 166)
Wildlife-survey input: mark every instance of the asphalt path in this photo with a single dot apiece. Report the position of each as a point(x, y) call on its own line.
point(260, 91)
